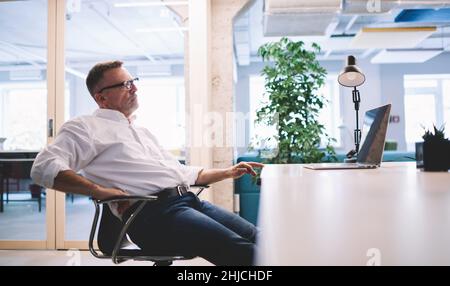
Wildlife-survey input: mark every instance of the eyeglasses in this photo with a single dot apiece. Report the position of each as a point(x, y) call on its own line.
point(126, 84)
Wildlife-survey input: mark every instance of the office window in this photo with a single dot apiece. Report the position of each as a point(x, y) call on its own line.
point(329, 115)
point(259, 98)
point(427, 102)
point(446, 105)
point(150, 42)
point(23, 115)
point(162, 111)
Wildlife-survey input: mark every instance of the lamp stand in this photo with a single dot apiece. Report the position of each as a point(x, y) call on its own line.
point(357, 134)
point(352, 76)
point(353, 154)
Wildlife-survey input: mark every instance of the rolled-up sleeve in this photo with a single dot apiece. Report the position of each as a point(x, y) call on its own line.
point(72, 149)
point(191, 173)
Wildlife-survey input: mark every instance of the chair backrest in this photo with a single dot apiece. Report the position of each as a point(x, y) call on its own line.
point(108, 231)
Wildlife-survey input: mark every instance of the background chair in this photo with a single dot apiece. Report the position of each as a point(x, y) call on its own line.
point(113, 241)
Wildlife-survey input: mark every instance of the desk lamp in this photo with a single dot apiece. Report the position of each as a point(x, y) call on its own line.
point(352, 76)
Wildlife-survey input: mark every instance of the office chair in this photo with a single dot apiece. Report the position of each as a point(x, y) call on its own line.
point(112, 238)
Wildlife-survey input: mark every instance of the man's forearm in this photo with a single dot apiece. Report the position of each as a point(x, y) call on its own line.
point(206, 177)
point(69, 182)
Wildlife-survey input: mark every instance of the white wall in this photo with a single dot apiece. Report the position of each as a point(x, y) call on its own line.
point(392, 88)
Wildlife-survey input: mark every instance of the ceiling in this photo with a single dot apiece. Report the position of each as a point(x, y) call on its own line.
point(333, 24)
point(95, 30)
point(151, 35)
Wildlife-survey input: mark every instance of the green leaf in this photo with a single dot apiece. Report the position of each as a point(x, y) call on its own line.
point(292, 80)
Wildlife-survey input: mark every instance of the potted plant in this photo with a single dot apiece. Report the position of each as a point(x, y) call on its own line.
point(292, 82)
point(436, 150)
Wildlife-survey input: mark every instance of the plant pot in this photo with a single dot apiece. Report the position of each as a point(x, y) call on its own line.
point(419, 155)
point(436, 155)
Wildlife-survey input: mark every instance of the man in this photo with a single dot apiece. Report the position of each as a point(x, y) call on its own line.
point(118, 158)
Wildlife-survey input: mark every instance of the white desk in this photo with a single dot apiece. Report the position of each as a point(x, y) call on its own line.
point(394, 215)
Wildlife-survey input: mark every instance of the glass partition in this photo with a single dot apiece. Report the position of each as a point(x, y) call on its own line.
point(23, 117)
point(150, 42)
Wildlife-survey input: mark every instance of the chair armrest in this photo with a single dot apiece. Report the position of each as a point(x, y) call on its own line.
point(127, 198)
point(200, 187)
point(142, 201)
point(141, 198)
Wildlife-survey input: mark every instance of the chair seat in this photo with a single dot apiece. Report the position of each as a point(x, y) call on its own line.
point(140, 252)
point(136, 254)
point(130, 250)
point(112, 228)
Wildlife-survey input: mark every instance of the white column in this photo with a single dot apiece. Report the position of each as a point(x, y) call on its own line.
point(199, 62)
point(51, 94)
point(222, 99)
point(60, 202)
point(210, 85)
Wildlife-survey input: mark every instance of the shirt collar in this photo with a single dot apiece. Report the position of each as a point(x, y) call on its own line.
point(113, 115)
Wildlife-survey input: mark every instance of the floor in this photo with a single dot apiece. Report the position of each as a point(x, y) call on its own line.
point(22, 220)
point(73, 258)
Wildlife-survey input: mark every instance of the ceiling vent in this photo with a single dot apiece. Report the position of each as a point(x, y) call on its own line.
point(300, 18)
point(302, 6)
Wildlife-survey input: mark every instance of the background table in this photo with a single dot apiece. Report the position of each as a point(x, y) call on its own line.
point(17, 169)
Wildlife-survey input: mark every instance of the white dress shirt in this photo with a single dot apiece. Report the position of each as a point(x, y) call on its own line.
point(112, 152)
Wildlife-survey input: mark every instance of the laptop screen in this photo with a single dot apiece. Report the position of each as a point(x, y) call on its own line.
point(374, 135)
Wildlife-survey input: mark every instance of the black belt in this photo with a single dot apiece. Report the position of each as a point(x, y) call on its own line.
point(163, 195)
point(169, 193)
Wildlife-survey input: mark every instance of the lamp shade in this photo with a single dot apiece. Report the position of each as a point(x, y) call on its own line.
point(352, 75)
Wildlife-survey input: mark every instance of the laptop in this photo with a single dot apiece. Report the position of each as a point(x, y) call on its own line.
point(373, 137)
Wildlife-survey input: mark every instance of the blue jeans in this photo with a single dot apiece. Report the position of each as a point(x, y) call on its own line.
point(191, 227)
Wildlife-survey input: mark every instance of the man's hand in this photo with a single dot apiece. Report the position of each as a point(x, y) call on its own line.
point(242, 168)
point(101, 193)
point(206, 177)
point(68, 181)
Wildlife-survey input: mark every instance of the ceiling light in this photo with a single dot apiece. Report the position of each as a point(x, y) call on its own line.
point(391, 37)
point(25, 75)
point(405, 56)
point(154, 70)
point(156, 30)
point(151, 3)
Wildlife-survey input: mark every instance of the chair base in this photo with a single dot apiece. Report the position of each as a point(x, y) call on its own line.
point(162, 263)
